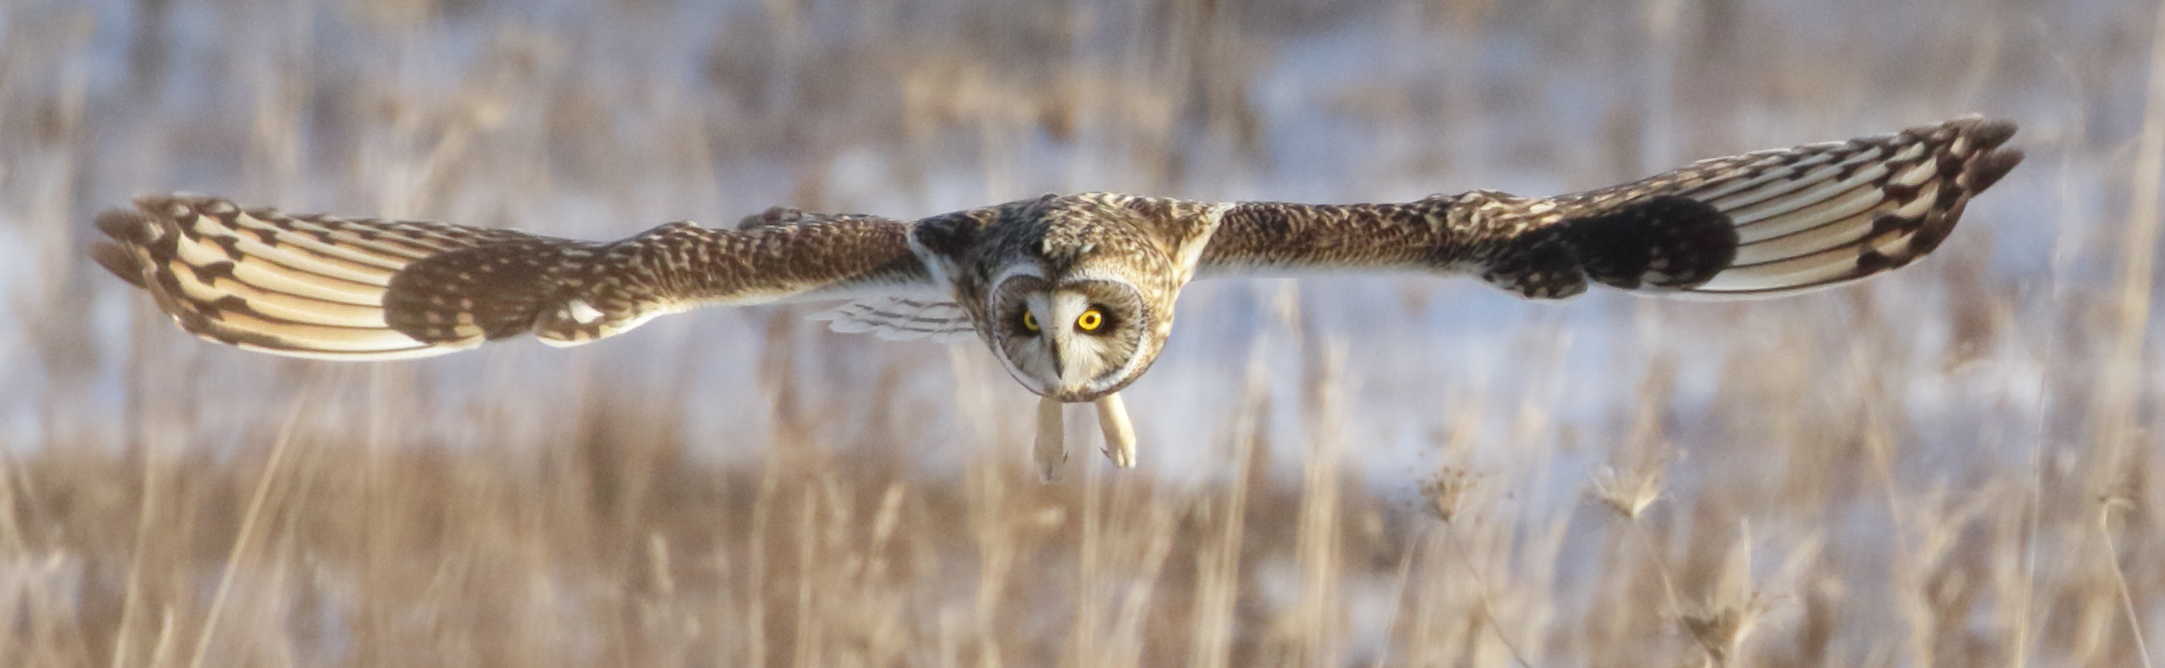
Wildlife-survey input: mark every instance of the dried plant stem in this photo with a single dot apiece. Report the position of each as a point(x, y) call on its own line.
point(379, 551)
point(2119, 576)
point(1480, 592)
point(1316, 538)
point(757, 570)
point(1127, 635)
point(807, 646)
point(1661, 567)
point(1218, 564)
point(131, 603)
point(164, 646)
point(2121, 366)
point(2033, 495)
point(2115, 416)
point(251, 523)
point(1090, 571)
point(1404, 578)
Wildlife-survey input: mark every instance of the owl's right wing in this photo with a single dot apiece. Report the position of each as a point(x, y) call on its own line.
point(366, 289)
point(1759, 224)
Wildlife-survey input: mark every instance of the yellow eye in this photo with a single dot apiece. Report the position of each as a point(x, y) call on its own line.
point(1090, 320)
point(1029, 321)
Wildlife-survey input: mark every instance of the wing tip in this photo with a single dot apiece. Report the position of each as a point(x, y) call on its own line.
point(1988, 167)
point(125, 226)
point(120, 261)
point(1986, 162)
point(1972, 156)
point(137, 239)
point(1992, 132)
point(141, 246)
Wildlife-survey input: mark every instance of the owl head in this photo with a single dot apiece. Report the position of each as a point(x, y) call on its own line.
point(1084, 307)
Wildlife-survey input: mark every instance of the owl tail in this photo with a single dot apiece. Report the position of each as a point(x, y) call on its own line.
point(1796, 220)
point(328, 288)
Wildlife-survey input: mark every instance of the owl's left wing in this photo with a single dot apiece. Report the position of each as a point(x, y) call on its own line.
point(366, 289)
point(1759, 224)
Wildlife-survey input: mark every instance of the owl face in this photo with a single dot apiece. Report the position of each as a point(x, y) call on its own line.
point(1074, 336)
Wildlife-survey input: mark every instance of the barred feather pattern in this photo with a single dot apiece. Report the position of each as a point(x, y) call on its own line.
point(367, 289)
point(304, 286)
point(1759, 224)
point(1813, 216)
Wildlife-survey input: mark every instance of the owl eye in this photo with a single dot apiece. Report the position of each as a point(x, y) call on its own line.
point(1029, 321)
point(1090, 320)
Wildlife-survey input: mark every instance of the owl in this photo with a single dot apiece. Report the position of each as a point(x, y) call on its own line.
point(1074, 294)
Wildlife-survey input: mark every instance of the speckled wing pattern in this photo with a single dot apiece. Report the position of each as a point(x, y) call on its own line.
point(1759, 224)
point(366, 289)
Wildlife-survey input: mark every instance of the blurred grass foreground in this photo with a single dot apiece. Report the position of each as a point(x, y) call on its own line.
point(1954, 465)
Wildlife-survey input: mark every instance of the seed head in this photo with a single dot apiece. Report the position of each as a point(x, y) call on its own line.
point(1446, 491)
point(1628, 494)
point(1721, 629)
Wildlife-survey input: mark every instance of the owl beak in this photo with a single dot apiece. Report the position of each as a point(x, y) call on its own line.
point(1071, 362)
point(1073, 372)
point(1071, 356)
point(1059, 366)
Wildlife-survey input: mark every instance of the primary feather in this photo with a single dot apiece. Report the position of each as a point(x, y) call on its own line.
point(367, 289)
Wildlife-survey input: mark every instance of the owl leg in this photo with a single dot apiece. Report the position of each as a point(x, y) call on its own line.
point(1119, 432)
point(1051, 449)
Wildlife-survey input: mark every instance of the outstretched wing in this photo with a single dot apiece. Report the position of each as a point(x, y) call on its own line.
point(365, 289)
point(1758, 224)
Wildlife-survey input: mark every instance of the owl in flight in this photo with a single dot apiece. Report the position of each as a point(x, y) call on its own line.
point(1073, 293)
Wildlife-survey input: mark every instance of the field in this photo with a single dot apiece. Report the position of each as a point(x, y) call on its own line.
point(1953, 465)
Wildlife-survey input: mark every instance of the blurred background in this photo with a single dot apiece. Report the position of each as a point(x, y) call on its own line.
point(1952, 465)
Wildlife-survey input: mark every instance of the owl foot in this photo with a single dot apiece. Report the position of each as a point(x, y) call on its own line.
point(1119, 432)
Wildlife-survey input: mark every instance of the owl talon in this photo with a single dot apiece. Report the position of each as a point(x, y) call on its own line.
point(1051, 449)
point(1119, 432)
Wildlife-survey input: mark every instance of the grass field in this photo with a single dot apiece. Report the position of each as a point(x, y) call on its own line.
point(1954, 465)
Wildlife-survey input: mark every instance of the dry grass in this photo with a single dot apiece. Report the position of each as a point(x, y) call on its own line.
point(1949, 467)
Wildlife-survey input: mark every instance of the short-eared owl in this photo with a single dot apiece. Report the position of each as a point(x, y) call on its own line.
point(1073, 293)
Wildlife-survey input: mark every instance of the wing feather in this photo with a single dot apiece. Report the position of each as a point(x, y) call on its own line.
point(366, 289)
point(1904, 196)
point(1757, 224)
point(901, 319)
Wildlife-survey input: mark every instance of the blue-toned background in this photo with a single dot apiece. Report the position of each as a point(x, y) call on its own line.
point(1950, 465)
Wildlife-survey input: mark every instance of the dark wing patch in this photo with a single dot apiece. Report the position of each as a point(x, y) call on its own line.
point(1757, 224)
point(303, 286)
point(1817, 215)
point(1664, 242)
point(500, 288)
point(365, 289)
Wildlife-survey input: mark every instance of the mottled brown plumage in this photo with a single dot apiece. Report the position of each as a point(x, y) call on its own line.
point(1073, 293)
point(1772, 222)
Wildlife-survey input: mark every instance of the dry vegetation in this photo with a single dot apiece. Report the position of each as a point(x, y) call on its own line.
point(1952, 466)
